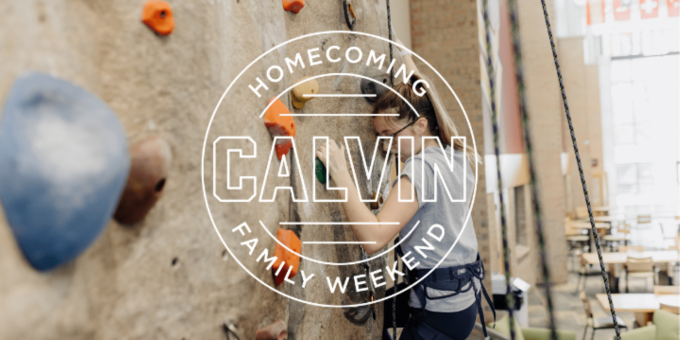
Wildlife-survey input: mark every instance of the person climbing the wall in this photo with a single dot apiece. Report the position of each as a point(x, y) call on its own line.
point(444, 305)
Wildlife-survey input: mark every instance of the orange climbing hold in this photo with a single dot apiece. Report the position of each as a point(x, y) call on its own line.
point(287, 259)
point(293, 5)
point(158, 16)
point(279, 125)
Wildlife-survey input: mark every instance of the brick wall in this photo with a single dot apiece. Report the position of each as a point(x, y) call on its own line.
point(545, 115)
point(445, 34)
point(575, 77)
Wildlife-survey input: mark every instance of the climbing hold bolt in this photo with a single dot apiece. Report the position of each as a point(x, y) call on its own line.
point(293, 5)
point(372, 86)
point(276, 331)
point(304, 87)
point(321, 169)
point(350, 16)
point(230, 328)
point(279, 125)
point(63, 164)
point(289, 261)
point(158, 16)
point(151, 158)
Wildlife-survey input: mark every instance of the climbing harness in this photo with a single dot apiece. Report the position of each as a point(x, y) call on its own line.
point(455, 279)
point(504, 230)
point(580, 171)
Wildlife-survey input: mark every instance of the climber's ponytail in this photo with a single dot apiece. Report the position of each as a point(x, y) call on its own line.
point(428, 105)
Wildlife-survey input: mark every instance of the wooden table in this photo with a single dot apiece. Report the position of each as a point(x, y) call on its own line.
point(612, 259)
point(601, 230)
point(602, 210)
point(608, 219)
point(663, 256)
point(586, 225)
point(643, 305)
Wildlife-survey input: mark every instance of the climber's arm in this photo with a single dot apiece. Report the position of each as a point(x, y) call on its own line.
point(406, 55)
point(393, 216)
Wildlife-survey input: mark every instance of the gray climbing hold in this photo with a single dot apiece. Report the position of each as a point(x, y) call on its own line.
point(372, 86)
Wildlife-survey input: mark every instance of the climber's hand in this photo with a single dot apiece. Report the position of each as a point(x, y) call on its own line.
point(335, 163)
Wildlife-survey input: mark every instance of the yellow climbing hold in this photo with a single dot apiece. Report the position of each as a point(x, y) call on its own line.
point(304, 87)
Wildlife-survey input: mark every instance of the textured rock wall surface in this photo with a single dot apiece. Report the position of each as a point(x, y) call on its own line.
point(169, 277)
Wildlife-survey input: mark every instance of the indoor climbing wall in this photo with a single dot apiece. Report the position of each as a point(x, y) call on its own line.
point(133, 88)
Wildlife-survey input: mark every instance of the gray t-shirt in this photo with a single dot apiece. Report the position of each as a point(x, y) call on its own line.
point(439, 221)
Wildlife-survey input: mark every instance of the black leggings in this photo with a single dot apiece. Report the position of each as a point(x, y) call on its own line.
point(457, 325)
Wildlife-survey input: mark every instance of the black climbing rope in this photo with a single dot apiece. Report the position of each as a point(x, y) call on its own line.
point(389, 32)
point(580, 171)
point(396, 290)
point(396, 260)
point(512, 6)
point(504, 230)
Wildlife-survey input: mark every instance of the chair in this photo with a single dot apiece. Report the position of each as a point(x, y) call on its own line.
point(597, 323)
point(672, 268)
point(624, 249)
point(665, 326)
point(644, 220)
point(621, 237)
point(576, 240)
point(583, 272)
point(666, 290)
point(582, 212)
point(640, 267)
point(670, 308)
point(529, 333)
point(668, 237)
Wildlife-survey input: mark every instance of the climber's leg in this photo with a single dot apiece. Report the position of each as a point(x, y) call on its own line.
point(457, 325)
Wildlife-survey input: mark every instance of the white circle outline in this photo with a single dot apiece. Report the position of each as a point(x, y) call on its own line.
point(271, 102)
point(339, 263)
point(205, 196)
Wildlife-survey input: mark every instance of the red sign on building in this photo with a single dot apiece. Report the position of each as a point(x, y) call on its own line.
point(595, 12)
point(621, 10)
point(673, 8)
point(649, 9)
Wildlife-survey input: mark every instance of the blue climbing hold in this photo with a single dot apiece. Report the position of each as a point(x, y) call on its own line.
point(63, 165)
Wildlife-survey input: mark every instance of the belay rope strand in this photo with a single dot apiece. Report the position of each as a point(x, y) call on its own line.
point(389, 33)
point(580, 171)
point(396, 288)
point(504, 230)
point(512, 6)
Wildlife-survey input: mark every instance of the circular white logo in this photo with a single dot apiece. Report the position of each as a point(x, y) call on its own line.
point(262, 178)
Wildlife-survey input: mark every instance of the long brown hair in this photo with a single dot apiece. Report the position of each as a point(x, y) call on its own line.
point(428, 106)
